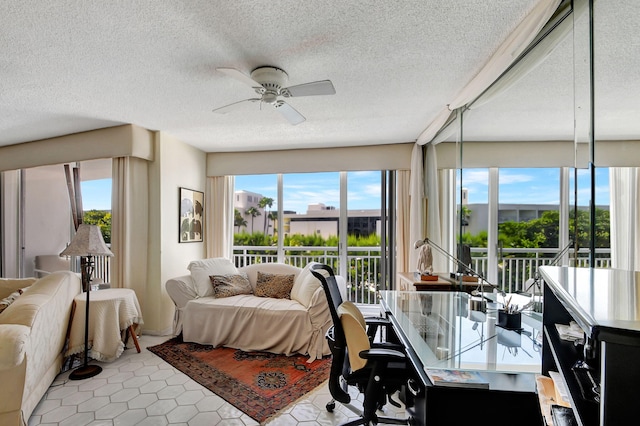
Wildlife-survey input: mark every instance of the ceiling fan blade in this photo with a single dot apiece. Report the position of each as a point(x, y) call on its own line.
point(324, 87)
point(227, 108)
point(289, 112)
point(240, 76)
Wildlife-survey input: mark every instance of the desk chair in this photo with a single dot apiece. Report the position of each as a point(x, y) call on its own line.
point(378, 370)
point(325, 274)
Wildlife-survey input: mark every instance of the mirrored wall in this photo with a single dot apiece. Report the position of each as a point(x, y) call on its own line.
point(546, 159)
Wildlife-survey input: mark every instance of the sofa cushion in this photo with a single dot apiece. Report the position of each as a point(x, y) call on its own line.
point(202, 269)
point(277, 286)
point(230, 285)
point(305, 286)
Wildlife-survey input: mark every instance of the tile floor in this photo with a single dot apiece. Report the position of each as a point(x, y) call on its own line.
point(142, 389)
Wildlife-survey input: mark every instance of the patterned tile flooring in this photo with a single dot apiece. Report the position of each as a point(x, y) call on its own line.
point(142, 389)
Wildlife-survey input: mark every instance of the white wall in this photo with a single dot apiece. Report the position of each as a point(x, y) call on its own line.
point(176, 165)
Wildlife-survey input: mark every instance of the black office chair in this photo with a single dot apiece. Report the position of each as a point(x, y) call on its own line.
point(334, 298)
point(378, 370)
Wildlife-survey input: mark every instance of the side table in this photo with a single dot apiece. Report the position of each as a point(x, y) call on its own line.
point(408, 281)
point(110, 312)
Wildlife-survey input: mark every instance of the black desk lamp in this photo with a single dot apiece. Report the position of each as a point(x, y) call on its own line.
point(87, 242)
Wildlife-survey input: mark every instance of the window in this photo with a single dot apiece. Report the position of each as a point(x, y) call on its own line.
point(333, 218)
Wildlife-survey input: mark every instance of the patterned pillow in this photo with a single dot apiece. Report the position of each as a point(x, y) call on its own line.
point(230, 285)
point(4, 303)
point(277, 286)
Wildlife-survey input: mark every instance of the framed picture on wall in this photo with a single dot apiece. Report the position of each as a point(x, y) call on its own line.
point(191, 216)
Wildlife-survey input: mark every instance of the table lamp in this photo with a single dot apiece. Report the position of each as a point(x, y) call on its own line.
point(87, 243)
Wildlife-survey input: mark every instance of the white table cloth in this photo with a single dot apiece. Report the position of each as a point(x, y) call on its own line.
point(110, 312)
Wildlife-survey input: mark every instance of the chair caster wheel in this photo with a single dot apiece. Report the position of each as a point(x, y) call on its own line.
point(331, 406)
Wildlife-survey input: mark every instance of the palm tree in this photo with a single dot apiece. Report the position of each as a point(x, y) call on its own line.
point(263, 204)
point(253, 212)
point(238, 220)
point(273, 216)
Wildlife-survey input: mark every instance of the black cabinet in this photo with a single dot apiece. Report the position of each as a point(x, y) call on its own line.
point(602, 370)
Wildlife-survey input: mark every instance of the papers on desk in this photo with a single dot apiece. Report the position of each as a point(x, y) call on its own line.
point(571, 332)
point(457, 378)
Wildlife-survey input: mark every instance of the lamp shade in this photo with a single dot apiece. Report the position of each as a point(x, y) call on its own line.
point(88, 241)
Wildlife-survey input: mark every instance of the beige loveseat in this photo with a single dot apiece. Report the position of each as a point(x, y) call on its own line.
point(33, 332)
point(246, 321)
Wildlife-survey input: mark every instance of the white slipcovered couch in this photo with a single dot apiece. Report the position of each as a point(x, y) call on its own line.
point(33, 332)
point(247, 321)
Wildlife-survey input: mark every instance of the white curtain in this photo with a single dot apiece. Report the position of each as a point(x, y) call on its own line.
point(403, 239)
point(624, 183)
point(219, 216)
point(416, 202)
point(129, 226)
point(434, 204)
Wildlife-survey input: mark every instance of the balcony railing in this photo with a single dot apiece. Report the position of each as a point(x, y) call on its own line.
point(516, 267)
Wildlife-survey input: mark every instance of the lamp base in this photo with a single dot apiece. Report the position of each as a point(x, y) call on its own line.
point(85, 372)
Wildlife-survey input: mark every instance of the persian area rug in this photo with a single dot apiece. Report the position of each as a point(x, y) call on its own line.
point(259, 384)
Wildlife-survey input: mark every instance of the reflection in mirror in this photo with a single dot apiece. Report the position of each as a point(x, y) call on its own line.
point(521, 140)
point(617, 128)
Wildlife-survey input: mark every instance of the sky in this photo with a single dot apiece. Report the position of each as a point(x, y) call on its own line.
point(96, 194)
point(534, 186)
point(517, 186)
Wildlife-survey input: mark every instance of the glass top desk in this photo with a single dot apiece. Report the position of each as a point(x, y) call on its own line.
point(444, 332)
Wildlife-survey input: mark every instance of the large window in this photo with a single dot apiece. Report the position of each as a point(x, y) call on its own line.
point(333, 218)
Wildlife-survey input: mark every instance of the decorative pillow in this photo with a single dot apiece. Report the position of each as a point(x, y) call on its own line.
point(7, 301)
point(230, 285)
point(277, 286)
point(305, 286)
point(201, 270)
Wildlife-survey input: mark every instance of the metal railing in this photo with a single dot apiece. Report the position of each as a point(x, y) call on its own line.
point(102, 268)
point(516, 266)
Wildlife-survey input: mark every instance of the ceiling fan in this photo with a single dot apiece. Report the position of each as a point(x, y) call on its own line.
point(269, 82)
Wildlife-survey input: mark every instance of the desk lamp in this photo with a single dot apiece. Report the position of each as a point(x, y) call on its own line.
point(87, 243)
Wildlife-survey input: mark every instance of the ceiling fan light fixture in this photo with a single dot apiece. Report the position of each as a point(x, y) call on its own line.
point(270, 83)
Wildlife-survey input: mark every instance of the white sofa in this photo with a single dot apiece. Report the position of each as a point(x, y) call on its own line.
point(247, 321)
point(33, 331)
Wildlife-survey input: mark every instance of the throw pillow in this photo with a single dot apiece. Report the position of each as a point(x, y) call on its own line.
point(305, 286)
point(201, 270)
point(230, 285)
point(7, 301)
point(277, 286)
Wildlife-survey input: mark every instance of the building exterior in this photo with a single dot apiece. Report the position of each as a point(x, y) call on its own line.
point(319, 218)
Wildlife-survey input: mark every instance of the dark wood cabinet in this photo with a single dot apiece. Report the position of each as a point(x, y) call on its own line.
point(602, 370)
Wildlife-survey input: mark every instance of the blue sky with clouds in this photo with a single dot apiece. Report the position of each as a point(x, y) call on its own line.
point(534, 186)
point(530, 186)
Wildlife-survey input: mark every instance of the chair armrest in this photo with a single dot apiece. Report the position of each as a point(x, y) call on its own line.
point(382, 354)
point(377, 321)
point(14, 339)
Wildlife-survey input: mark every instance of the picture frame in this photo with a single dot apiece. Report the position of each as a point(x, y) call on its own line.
point(191, 216)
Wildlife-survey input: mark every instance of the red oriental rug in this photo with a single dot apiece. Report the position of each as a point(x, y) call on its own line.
point(259, 384)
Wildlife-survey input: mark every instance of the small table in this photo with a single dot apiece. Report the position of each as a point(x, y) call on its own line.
point(110, 312)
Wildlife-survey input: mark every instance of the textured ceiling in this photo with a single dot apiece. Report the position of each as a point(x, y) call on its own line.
point(75, 65)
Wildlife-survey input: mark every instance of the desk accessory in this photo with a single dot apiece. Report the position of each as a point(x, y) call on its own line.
point(87, 243)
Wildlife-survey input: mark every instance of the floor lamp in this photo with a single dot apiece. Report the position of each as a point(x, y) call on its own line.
point(86, 244)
